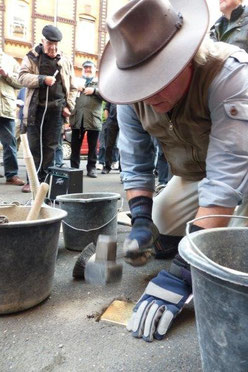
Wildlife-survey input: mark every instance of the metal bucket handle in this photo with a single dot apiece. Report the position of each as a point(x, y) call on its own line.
point(99, 227)
point(223, 268)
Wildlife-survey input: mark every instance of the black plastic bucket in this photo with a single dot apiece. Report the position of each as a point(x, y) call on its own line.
point(28, 251)
point(219, 267)
point(88, 216)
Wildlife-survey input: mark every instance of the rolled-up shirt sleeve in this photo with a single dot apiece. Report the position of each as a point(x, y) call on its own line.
point(226, 182)
point(136, 151)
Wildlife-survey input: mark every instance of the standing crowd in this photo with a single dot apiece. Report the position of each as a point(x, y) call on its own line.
point(49, 97)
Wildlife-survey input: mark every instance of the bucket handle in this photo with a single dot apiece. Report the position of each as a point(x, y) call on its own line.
point(99, 227)
point(223, 268)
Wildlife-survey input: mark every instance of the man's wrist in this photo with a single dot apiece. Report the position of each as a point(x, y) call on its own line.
point(212, 216)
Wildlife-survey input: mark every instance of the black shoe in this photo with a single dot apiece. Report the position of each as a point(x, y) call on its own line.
point(105, 170)
point(92, 173)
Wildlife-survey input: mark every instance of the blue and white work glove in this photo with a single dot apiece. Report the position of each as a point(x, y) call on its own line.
point(162, 301)
point(143, 234)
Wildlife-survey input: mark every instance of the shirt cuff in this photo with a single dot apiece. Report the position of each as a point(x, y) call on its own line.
point(137, 182)
point(216, 193)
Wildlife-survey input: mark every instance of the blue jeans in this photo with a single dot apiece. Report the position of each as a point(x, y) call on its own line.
point(7, 137)
point(102, 146)
point(162, 166)
point(102, 135)
point(59, 153)
point(112, 152)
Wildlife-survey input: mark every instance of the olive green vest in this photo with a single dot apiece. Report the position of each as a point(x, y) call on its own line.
point(185, 137)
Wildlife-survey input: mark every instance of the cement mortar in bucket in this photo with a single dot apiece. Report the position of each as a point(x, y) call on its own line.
point(88, 216)
point(28, 251)
point(219, 267)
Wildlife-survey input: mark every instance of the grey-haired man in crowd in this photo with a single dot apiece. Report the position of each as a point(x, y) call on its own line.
point(87, 118)
point(192, 94)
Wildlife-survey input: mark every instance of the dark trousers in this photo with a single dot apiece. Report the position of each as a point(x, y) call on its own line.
point(51, 131)
point(112, 134)
point(76, 142)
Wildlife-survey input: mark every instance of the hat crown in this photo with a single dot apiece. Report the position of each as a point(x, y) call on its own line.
point(52, 33)
point(140, 29)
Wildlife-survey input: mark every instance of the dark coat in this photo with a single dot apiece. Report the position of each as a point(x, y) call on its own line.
point(30, 77)
point(233, 31)
point(88, 110)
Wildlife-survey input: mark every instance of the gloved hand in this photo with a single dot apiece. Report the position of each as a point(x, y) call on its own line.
point(162, 301)
point(143, 234)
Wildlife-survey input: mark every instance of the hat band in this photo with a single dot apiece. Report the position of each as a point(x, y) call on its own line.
point(178, 25)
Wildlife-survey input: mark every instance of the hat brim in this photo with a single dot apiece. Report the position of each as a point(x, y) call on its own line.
point(135, 84)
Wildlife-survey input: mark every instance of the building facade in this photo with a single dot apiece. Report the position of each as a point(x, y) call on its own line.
point(82, 23)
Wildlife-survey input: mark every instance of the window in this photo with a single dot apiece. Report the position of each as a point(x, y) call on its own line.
point(86, 34)
point(18, 20)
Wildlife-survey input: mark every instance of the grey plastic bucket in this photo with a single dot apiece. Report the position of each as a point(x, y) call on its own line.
point(89, 215)
point(219, 267)
point(28, 251)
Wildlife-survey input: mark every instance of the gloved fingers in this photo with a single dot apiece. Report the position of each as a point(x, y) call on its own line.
point(131, 322)
point(133, 248)
point(141, 238)
point(164, 324)
point(152, 319)
point(130, 246)
point(138, 319)
point(139, 259)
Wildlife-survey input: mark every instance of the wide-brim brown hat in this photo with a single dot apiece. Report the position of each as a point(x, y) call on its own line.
point(151, 42)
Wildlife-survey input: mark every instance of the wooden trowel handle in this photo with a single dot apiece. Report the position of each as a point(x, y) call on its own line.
point(39, 199)
point(29, 161)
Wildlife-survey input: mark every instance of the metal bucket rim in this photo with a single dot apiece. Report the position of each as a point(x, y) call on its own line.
point(41, 221)
point(96, 197)
point(187, 251)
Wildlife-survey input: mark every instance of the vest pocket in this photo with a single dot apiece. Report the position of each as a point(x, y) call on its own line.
point(196, 158)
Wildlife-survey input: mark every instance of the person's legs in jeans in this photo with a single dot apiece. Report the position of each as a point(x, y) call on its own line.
point(8, 140)
point(59, 153)
point(17, 133)
point(92, 136)
point(112, 133)
point(115, 153)
point(76, 141)
point(101, 154)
